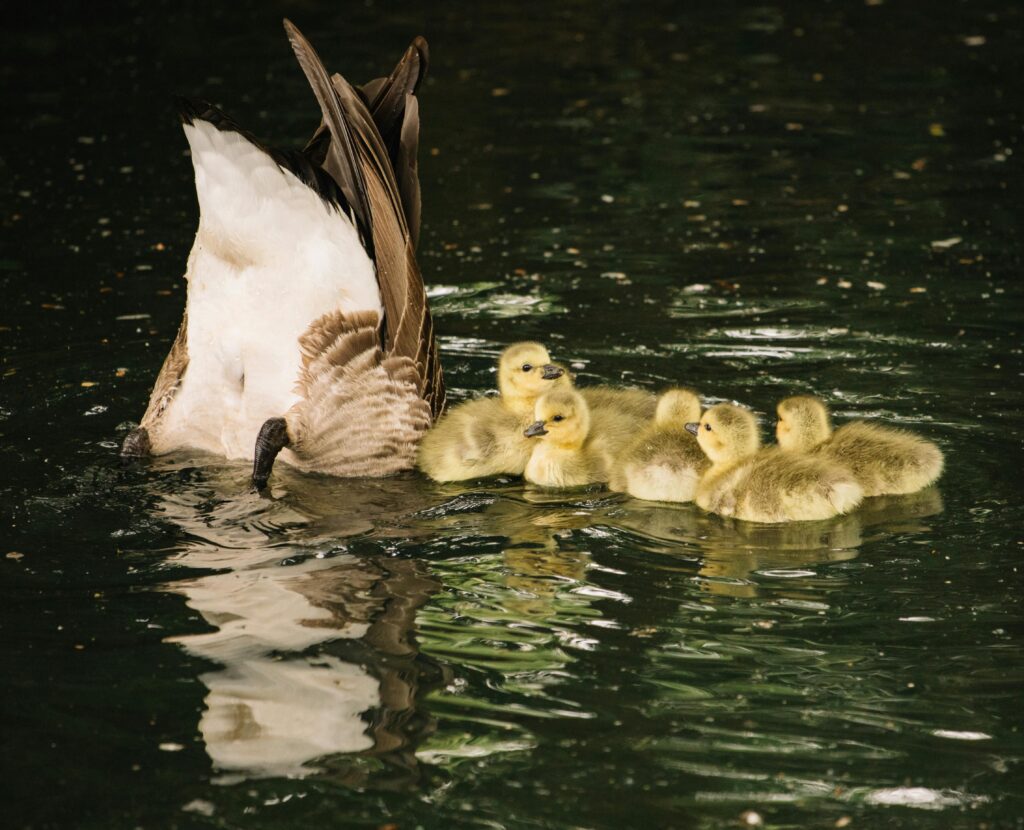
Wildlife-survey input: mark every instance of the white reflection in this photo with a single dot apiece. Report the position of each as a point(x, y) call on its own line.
point(922, 798)
point(272, 717)
point(269, 714)
point(282, 618)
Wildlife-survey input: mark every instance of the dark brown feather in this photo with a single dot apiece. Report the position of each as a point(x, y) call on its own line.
point(394, 109)
point(407, 328)
point(171, 374)
point(340, 159)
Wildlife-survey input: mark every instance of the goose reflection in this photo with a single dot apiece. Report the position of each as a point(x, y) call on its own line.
point(315, 644)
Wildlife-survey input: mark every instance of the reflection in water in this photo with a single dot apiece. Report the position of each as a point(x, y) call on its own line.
point(516, 623)
point(317, 648)
point(341, 660)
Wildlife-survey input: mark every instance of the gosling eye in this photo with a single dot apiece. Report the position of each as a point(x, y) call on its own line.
point(527, 367)
point(707, 427)
point(558, 418)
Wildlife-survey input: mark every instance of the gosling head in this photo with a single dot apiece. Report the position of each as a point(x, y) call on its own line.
point(677, 407)
point(563, 419)
point(727, 433)
point(803, 423)
point(525, 372)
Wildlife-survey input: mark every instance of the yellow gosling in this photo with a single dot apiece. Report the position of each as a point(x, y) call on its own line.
point(484, 437)
point(882, 459)
point(568, 453)
point(635, 404)
point(766, 485)
point(664, 462)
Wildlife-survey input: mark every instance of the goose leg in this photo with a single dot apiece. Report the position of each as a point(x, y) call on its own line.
point(272, 439)
point(136, 443)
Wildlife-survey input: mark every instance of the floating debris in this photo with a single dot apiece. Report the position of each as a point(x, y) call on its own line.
point(607, 198)
point(200, 806)
point(876, 286)
point(170, 746)
point(946, 244)
point(15, 555)
point(936, 130)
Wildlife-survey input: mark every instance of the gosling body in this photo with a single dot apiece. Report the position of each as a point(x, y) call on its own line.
point(884, 460)
point(484, 437)
point(664, 462)
point(766, 485)
point(569, 451)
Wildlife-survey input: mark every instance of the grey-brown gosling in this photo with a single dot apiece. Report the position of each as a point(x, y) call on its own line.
point(484, 437)
point(766, 485)
point(882, 459)
point(665, 461)
point(568, 451)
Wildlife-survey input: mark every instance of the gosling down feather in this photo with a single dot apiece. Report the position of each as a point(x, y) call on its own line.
point(765, 485)
point(306, 329)
point(575, 446)
point(882, 459)
point(664, 462)
point(485, 437)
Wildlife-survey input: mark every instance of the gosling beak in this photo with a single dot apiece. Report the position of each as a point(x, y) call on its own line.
point(692, 428)
point(551, 372)
point(534, 429)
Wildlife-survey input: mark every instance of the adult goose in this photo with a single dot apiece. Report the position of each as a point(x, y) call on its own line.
point(306, 329)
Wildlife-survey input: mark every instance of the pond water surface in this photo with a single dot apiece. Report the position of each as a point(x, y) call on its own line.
point(752, 199)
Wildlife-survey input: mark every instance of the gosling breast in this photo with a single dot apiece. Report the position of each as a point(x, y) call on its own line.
point(660, 465)
point(776, 486)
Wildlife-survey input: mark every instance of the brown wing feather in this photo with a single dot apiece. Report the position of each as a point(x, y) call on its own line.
point(340, 160)
point(171, 373)
point(394, 109)
point(360, 410)
point(408, 329)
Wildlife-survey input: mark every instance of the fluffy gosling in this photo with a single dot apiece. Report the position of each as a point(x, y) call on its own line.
point(766, 485)
point(567, 452)
point(882, 459)
point(664, 462)
point(484, 437)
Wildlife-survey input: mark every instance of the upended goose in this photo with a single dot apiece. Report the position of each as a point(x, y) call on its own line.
point(306, 329)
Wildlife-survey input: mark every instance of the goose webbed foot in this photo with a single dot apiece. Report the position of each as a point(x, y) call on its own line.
point(272, 439)
point(136, 444)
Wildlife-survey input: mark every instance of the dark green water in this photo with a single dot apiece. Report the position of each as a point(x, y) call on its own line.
point(740, 197)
